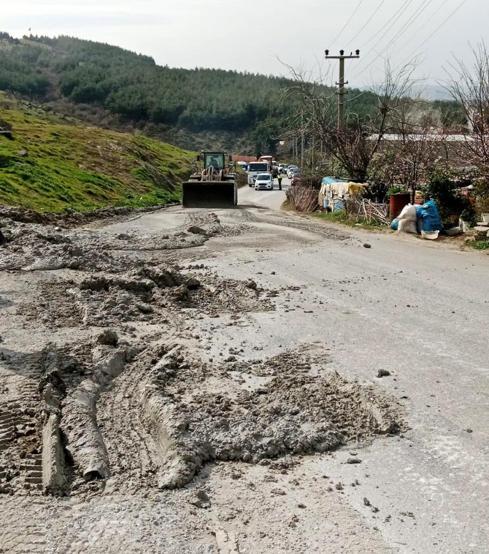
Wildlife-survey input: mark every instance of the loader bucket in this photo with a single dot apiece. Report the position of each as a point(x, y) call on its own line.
point(209, 194)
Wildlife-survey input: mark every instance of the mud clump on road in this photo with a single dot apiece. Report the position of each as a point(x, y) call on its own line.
point(129, 399)
point(256, 412)
point(38, 247)
point(138, 418)
point(152, 293)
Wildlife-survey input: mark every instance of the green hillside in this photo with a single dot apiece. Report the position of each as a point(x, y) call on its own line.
point(95, 80)
point(195, 109)
point(52, 163)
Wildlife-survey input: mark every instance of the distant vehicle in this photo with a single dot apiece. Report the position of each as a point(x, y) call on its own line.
point(264, 181)
point(282, 169)
point(267, 158)
point(293, 171)
point(256, 168)
point(271, 162)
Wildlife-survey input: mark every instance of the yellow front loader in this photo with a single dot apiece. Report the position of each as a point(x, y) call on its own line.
point(214, 187)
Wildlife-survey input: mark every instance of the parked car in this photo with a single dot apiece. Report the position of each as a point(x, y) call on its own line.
point(264, 181)
point(292, 170)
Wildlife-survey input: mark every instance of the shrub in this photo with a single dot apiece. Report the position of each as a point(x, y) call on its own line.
point(395, 189)
point(482, 195)
point(443, 190)
point(377, 192)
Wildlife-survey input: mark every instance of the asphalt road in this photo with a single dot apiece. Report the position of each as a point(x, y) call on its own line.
point(417, 309)
point(272, 199)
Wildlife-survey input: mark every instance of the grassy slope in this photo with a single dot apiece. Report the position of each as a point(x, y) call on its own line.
point(71, 165)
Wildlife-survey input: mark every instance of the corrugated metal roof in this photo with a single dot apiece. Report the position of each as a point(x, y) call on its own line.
point(431, 137)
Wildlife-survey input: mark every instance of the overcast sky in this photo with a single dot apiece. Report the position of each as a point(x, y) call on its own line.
point(254, 35)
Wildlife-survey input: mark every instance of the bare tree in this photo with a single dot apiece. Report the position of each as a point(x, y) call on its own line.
point(469, 86)
point(416, 146)
point(355, 145)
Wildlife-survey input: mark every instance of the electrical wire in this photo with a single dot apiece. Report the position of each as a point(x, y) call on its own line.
point(415, 15)
point(404, 26)
point(408, 23)
point(442, 24)
point(348, 21)
point(365, 25)
point(430, 18)
point(360, 94)
point(434, 32)
point(386, 26)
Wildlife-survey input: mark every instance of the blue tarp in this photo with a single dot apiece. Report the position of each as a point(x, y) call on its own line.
point(427, 218)
point(331, 181)
point(430, 216)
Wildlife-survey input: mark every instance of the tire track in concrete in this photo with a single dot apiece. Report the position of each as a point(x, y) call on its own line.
point(132, 455)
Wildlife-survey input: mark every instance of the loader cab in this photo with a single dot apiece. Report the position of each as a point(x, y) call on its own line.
point(217, 160)
point(214, 187)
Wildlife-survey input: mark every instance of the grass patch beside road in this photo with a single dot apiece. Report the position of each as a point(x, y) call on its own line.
point(480, 244)
point(55, 163)
point(342, 218)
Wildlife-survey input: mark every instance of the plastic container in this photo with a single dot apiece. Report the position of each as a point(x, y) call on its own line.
point(397, 203)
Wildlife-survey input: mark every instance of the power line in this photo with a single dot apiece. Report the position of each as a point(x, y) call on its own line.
point(359, 95)
point(430, 36)
point(365, 25)
point(430, 18)
point(404, 26)
point(408, 23)
point(400, 32)
point(385, 28)
point(433, 33)
point(348, 21)
point(442, 24)
point(386, 25)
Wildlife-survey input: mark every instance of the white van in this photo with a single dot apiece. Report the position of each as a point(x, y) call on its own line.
point(256, 168)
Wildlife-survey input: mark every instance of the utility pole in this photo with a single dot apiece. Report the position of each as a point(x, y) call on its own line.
point(302, 138)
point(341, 83)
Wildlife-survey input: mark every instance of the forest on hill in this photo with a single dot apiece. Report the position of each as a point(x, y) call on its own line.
point(192, 108)
point(135, 89)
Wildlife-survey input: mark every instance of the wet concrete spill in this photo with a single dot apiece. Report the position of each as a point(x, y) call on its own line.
point(128, 403)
